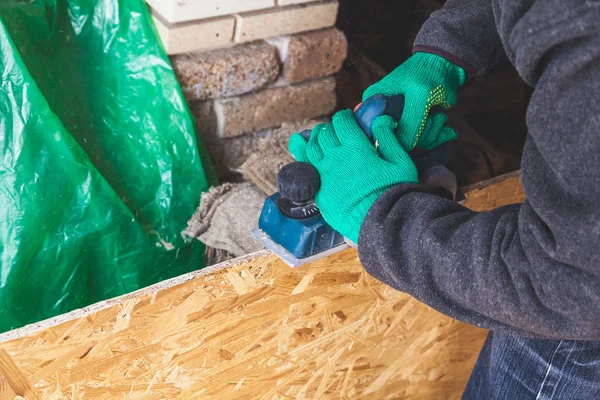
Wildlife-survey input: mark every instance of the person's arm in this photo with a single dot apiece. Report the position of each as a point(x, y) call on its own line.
point(463, 32)
point(530, 269)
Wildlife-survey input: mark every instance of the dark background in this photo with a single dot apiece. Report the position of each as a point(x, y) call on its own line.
point(490, 114)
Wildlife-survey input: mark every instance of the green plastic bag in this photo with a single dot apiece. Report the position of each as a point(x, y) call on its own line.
point(99, 166)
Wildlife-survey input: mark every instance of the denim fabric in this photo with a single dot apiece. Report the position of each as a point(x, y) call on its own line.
point(512, 367)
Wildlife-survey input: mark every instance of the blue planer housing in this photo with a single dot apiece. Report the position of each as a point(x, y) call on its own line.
point(302, 238)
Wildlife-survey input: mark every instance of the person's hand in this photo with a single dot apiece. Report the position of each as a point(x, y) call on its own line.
point(426, 80)
point(354, 172)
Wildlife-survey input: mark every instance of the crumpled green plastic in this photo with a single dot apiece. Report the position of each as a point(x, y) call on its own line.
point(99, 165)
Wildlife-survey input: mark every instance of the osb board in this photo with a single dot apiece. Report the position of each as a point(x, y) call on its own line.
point(497, 192)
point(251, 329)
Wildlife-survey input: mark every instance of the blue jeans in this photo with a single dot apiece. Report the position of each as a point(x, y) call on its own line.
point(511, 367)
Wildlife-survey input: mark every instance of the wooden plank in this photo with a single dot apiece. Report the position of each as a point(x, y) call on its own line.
point(252, 328)
point(494, 193)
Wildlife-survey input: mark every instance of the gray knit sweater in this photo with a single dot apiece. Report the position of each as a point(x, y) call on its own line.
point(531, 269)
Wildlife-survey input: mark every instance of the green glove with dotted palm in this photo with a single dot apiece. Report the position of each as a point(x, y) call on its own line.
point(426, 80)
point(354, 172)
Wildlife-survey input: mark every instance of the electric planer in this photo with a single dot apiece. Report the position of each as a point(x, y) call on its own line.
point(291, 225)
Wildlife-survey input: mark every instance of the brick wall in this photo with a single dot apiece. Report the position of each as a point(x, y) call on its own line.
point(247, 66)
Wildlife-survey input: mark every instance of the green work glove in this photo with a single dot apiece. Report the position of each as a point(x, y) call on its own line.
point(353, 172)
point(426, 80)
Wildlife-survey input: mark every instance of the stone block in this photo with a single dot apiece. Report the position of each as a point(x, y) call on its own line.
point(314, 55)
point(266, 109)
point(227, 154)
point(285, 20)
point(200, 35)
point(227, 72)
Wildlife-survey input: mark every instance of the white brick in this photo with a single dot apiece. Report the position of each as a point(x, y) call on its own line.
point(289, 2)
point(201, 35)
point(285, 20)
point(174, 11)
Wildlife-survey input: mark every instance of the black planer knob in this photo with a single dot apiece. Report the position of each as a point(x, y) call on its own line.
point(298, 184)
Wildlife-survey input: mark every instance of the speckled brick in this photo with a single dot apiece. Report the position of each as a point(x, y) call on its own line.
point(227, 72)
point(271, 107)
point(315, 55)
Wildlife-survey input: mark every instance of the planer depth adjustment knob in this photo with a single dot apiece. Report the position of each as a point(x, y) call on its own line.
point(298, 184)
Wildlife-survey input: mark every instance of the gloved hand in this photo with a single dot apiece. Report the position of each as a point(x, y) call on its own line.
point(353, 172)
point(426, 80)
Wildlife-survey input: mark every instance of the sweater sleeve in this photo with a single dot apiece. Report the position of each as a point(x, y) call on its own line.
point(464, 32)
point(531, 269)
